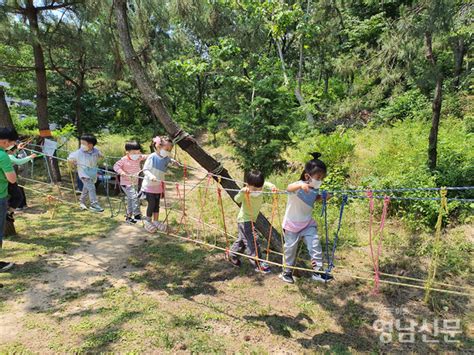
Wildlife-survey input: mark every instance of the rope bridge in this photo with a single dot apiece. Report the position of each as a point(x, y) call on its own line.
point(176, 198)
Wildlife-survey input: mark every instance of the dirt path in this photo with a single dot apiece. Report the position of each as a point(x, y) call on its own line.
point(99, 261)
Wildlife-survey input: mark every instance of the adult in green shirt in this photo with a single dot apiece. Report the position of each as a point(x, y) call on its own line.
point(8, 138)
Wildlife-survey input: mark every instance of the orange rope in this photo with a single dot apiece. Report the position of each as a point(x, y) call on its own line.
point(254, 234)
point(219, 200)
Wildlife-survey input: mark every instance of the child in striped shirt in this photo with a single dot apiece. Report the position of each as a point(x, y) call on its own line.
point(129, 167)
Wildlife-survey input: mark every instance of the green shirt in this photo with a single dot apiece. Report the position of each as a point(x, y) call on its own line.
point(249, 212)
point(5, 167)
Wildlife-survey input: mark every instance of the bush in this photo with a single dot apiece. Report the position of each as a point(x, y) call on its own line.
point(411, 104)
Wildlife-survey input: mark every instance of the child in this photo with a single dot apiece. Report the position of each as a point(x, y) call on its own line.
point(154, 171)
point(8, 137)
point(17, 200)
point(129, 167)
point(298, 222)
point(251, 200)
point(86, 159)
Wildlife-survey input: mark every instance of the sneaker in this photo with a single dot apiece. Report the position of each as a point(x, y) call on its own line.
point(159, 226)
point(138, 217)
point(264, 268)
point(82, 206)
point(4, 266)
point(287, 277)
point(149, 227)
point(19, 209)
point(130, 220)
point(321, 276)
point(234, 261)
point(95, 207)
point(10, 217)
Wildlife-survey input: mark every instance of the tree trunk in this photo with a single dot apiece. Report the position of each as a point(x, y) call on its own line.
point(436, 106)
point(41, 81)
point(154, 101)
point(433, 138)
point(459, 52)
point(5, 117)
point(298, 94)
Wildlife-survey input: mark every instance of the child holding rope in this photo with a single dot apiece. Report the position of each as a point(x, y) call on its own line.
point(153, 186)
point(251, 200)
point(298, 222)
point(129, 167)
point(86, 158)
point(17, 199)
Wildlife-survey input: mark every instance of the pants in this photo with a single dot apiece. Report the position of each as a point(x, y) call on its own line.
point(153, 203)
point(133, 204)
point(17, 197)
point(88, 188)
point(311, 239)
point(3, 216)
point(245, 242)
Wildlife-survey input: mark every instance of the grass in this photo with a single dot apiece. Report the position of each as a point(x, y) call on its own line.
point(176, 296)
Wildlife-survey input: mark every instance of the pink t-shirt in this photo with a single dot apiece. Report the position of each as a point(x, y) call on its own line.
point(129, 167)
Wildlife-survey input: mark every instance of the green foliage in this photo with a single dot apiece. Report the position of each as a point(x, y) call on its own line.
point(409, 105)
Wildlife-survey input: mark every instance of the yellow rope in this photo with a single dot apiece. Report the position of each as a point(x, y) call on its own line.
point(443, 209)
point(72, 182)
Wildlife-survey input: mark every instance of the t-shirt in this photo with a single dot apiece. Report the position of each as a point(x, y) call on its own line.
point(249, 211)
point(128, 166)
point(299, 210)
point(155, 167)
point(5, 167)
point(19, 161)
point(86, 162)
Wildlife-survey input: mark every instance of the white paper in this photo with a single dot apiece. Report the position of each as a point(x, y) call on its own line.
point(49, 147)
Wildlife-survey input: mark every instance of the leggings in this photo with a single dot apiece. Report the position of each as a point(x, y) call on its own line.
point(16, 196)
point(153, 203)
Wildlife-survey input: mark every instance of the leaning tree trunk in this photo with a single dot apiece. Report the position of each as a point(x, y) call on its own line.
point(41, 82)
point(154, 101)
point(5, 117)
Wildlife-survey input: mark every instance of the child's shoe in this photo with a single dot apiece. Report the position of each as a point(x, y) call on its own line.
point(138, 217)
point(159, 226)
point(10, 217)
point(234, 261)
point(287, 277)
point(130, 220)
point(264, 268)
point(82, 206)
point(321, 276)
point(95, 207)
point(149, 227)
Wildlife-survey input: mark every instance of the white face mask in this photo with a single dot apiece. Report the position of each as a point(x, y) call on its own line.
point(315, 183)
point(255, 193)
point(84, 147)
point(164, 153)
point(134, 156)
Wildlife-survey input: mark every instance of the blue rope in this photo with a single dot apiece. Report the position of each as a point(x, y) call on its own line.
point(324, 213)
point(336, 235)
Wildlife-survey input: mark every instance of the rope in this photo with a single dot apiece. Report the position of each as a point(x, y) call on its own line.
point(336, 235)
point(270, 233)
point(219, 199)
point(254, 233)
point(311, 270)
point(443, 209)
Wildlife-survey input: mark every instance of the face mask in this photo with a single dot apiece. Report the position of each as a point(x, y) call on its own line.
point(164, 153)
point(134, 156)
point(255, 193)
point(315, 183)
point(84, 147)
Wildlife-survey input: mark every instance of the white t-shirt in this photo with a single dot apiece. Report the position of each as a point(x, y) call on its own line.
point(299, 210)
point(86, 162)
